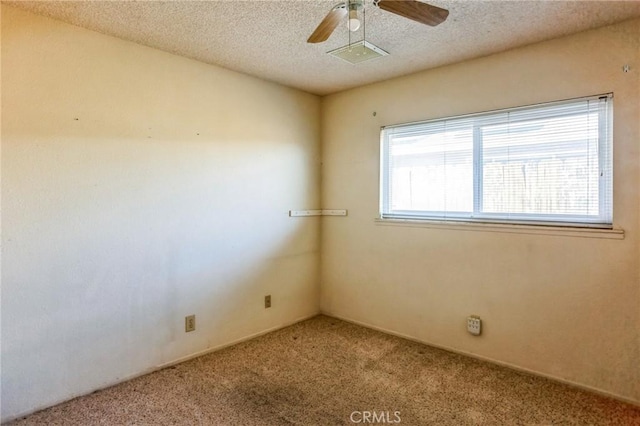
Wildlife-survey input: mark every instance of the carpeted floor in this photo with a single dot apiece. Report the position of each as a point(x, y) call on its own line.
point(324, 371)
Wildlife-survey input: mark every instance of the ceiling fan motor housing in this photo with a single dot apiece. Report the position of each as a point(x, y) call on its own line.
point(411, 9)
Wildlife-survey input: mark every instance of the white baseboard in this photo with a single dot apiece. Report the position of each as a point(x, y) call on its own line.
point(490, 360)
point(232, 343)
point(163, 365)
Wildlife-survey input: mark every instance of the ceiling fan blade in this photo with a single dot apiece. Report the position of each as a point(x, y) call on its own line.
point(328, 24)
point(415, 10)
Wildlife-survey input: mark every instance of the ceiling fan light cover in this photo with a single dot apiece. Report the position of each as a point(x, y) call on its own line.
point(353, 23)
point(358, 52)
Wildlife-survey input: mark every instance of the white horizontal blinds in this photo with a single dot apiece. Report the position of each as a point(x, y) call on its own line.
point(542, 163)
point(545, 163)
point(430, 169)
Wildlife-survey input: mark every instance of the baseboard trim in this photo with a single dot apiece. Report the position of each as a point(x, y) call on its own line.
point(233, 342)
point(487, 359)
point(163, 365)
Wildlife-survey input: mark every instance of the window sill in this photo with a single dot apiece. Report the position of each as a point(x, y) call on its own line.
point(565, 231)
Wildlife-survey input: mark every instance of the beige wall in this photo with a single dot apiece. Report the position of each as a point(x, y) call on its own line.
point(139, 187)
point(566, 307)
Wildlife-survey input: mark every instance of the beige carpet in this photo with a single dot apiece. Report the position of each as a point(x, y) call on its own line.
point(328, 372)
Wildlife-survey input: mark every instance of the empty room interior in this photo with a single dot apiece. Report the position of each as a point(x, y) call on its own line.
point(225, 193)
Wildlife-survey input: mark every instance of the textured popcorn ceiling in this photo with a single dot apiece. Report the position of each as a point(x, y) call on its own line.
point(267, 38)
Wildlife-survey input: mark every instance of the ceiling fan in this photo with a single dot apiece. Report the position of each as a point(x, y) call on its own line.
point(411, 9)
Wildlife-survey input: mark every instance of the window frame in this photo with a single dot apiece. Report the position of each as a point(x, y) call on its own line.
point(604, 219)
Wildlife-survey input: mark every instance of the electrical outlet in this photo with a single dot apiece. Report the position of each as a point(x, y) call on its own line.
point(267, 301)
point(189, 323)
point(474, 325)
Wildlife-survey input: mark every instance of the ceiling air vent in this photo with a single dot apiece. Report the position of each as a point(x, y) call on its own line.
point(359, 51)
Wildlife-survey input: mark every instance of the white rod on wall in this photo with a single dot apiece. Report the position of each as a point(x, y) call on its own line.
point(323, 212)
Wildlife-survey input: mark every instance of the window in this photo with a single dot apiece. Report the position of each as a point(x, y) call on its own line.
point(547, 164)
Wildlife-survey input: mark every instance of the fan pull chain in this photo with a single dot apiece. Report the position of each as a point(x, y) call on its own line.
point(364, 22)
point(348, 24)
